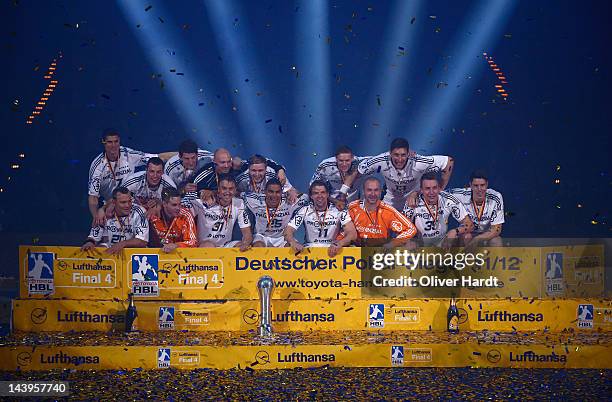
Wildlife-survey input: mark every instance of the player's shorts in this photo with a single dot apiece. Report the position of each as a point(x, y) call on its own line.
point(396, 202)
point(269, 241)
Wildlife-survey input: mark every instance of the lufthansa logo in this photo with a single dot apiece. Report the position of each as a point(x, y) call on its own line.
point(38, 315)
point(262, 357)
point(24, 359)
point(250, 316)
point(463, 316)
point(494, 356)
point(62, 265)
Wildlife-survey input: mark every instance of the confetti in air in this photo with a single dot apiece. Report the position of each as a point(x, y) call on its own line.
point(500, 76)
point(42, 102)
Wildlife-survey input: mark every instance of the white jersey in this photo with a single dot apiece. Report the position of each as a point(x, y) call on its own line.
point(401, 182)
point(137, 184)
point(244, 184)
point(493, 213)
point(105, 176)
point(328, 171)
point(216, 224)
point(176, 170)
point(271, 222)
point(321, 227)
point(116, 229)
point(431, 230)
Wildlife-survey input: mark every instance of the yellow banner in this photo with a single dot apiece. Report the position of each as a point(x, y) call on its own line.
point(227, 274)
point(286, 356)
point(323, 315)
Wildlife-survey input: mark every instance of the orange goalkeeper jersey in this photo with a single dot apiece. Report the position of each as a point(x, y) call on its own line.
point(379, 223)
point(181, 230)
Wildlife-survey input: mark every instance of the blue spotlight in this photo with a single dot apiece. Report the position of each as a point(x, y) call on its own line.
point(485, 25)
point(313, 97)
point(384, 98)
point(165, 52)
point(243, 73)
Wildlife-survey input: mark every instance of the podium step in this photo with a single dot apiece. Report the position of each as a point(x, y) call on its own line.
point(243, 350)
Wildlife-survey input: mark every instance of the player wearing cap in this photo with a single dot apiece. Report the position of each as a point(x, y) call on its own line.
point(403, 170)
point(323, 222)
point(271, 213)
point(375, 220)
point(127, 228)
point(174, 227)
point(433, 209)
point(216, 220)
point(486, 209)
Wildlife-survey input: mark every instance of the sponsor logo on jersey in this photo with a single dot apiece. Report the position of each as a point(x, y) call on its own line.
point(145, 268)
point(554, 274)
point(397, 355)
point(165, 318)
point(585, 316)
point(163, 357)
point(376, 315)
point(40, 273)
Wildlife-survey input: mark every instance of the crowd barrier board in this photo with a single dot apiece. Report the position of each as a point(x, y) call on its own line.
point(28, 358)
point(31, 315)
point(228, 274)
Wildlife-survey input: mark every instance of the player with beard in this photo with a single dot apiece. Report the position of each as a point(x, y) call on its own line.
point(127, 228)
point(403, 170)
point(323, 222)
point(174, 227)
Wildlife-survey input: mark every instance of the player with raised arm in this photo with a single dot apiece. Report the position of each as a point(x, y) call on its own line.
point(402, 171)
point(215, 221)
point(375, 220)
point(272, 214)
point(128, 227)
point(147, 186)
point(323, 222)
point(180, 168)
point(254, 176)
point(486, 209)
point(174, 227)
point(341, 172)
point(110, 168)
point(434, 208)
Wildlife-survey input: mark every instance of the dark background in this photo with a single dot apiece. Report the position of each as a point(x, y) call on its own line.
point(116, 72)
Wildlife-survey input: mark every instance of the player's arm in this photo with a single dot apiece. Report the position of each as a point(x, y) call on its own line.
point(494, 231)
point(188, 231)
point(447, 172)
point(407, 231)
point(294, 223)
point(244, 223)
point(132, 243)
point(349, 235)
point(463, 229)
point(95, 235)
point(98, 218)
point(247, 239)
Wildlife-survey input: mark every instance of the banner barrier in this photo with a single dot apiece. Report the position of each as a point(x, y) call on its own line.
point(324, 315)
point(228, 274)
point(287, 356)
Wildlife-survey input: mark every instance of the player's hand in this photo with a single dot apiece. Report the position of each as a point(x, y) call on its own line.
point(339, 201)
point(99, 219)
point(191, 188)
point(154, 211)
point(334, 250)
point(282, 177)
point(89, 245)
point(411, 201)
point(170, 247)
point(349, 179)
point(297, 247)
point(292, 196)
point(208, 197)
point(115, 248)
point(244, 246)
point(110, 209)
point(410, 245)
point(152, 203)
point(411, 154)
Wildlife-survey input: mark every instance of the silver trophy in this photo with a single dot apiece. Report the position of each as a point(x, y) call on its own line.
point(265, 286)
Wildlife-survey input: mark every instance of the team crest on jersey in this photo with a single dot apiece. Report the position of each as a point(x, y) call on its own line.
point(555, 285)
point(145, 280)
point(585, 316)
point(165, 318)
point(376, 315)
point(397, 226)
point(397, 355)
point(163, 357)
point(40, 273)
